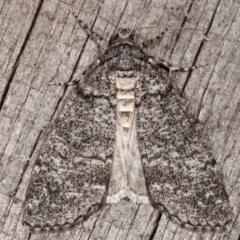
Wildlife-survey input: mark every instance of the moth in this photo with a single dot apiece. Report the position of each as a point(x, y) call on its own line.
point(123, 133)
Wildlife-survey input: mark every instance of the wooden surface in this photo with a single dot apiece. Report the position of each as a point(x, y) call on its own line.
point(42, 42)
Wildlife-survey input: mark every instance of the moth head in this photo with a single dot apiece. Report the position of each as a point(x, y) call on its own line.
point(123, 35)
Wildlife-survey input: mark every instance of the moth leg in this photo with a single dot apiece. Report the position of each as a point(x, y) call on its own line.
point(55, 83)
point(96, 38)
point(172, 68)
point(70, 83)
point(75, 81)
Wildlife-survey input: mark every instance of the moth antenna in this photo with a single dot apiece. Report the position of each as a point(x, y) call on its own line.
point(158, 38)
point(87, 11)
point(199, 29)
point(164, 31)
point(144, 28)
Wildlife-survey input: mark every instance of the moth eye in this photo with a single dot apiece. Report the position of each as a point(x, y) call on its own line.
point(116, 37)
point(131, 36)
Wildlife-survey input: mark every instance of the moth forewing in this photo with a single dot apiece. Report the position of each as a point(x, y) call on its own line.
point(124, 127)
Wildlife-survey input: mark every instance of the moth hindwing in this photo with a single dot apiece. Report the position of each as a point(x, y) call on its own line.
point(122, 133)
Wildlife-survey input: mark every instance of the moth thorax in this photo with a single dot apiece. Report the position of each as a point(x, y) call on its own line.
point(125, 103)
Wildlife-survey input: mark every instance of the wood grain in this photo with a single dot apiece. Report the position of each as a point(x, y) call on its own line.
point(42, 42)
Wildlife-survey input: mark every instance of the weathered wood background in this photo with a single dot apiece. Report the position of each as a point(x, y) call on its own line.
point(42, 42)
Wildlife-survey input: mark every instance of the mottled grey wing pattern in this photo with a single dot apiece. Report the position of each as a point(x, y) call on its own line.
point(72, 171)
point(181, 173)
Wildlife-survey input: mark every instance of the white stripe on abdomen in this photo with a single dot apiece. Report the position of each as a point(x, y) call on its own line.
point(127, 179)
